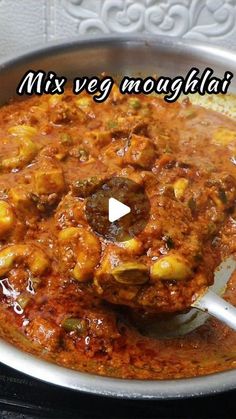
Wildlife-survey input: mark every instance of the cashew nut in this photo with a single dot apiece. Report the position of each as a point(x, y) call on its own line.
point(27, 148)
point(87, 250)
point(31, 256)
point(7, 218)
point(171, 267)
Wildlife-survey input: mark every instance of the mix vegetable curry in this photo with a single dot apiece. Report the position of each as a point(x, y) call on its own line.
point(76, 298)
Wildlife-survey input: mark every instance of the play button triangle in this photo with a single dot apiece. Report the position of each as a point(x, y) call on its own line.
point(117, 210)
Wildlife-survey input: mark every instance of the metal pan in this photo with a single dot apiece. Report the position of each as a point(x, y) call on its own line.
point(116, 56)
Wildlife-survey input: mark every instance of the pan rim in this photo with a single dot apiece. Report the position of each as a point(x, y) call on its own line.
point(94, 384)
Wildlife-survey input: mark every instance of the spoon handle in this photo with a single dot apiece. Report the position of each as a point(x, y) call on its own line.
point(217, 307)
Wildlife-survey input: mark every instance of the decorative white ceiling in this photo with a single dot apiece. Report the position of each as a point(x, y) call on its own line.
point(27, 23)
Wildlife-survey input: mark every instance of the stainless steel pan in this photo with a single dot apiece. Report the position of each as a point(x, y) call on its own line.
point(116, 56)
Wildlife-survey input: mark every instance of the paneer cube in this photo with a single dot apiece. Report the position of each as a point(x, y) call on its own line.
point(49, 181)
point(20, 198)
point(98, 138)
point(140, 152)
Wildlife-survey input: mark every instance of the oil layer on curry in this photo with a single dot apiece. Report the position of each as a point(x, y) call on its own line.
point(70, 295)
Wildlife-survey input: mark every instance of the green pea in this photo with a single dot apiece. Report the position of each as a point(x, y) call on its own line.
point(134, 103)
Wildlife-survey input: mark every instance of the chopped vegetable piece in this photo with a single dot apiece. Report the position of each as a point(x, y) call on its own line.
point(179, 187)
point(140, 152)
point(223, 196)
point(73, 324)
point(135, 103)
point(131, 273)
point(85, 187)
point(49, 181)
point(192, 204)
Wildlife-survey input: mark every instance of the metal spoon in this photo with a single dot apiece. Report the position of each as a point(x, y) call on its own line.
point(217, 307)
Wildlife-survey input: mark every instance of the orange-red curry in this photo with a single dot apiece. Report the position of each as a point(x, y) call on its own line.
point(68, 294)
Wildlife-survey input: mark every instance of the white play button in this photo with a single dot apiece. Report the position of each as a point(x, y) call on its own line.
point(117, 210)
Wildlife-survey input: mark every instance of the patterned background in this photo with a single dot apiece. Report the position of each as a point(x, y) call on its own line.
point(25, 23)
